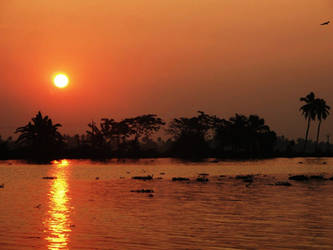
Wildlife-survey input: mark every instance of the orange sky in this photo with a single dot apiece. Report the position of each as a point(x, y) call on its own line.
point(172, 58)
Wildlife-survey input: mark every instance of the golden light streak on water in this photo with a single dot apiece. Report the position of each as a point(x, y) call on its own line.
point(58, 221)
point(61, 163)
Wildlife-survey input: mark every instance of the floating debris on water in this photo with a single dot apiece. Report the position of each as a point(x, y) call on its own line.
point(143, 191)
point(307, 178)
point(180, 179)
point(245, 178)
point(202, 179)
point(282, 183)
point(49, 177)
point(299, 178)
point(317, 177)
point(148, 177)
point(242, 177)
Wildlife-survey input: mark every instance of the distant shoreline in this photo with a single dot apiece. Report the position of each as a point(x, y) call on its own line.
point(211, 159)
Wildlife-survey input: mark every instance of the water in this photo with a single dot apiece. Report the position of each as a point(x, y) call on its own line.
point(78, 211)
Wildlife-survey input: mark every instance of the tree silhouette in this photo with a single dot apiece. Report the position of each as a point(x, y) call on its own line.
point(309, 112)
point(122, 138)
point(144, 125)
point(40, 136)
point(322, 112)
point(96, 140)
point(116, 133)
point(189, 135)
point(237, 132)
point(246, 135)
point(259, 134)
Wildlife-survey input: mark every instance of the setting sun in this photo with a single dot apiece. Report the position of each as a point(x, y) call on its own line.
point(60, 81)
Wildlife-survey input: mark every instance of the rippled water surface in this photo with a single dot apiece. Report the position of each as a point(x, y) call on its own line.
point(89, 205)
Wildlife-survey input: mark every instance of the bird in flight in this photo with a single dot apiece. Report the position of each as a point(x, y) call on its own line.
point(325, 23)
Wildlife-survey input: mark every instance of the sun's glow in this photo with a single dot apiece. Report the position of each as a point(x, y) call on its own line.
point(60, 81)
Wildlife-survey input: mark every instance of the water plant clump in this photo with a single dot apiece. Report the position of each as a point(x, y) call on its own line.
point(180, 179)
point(143, 191)
point(49, 177)
point(283, 183)
point(299, 178)
point(245, 178)
point(145, 178)
point(202, 178)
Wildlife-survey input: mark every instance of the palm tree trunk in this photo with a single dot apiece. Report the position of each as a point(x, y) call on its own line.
point(306, 134)
point(318, 131)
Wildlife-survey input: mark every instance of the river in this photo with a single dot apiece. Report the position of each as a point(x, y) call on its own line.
point(77, 204)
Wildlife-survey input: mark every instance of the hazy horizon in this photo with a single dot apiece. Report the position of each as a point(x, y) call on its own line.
point(171, 58)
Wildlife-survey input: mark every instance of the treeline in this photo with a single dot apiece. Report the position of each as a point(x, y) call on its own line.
point(147, 135)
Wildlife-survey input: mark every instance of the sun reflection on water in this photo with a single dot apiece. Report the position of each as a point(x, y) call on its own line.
point(58, 223)
point(62, 163)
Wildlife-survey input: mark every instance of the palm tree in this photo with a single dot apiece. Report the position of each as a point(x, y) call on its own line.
point(41, 136)
point(309, 112)
point(322, 112)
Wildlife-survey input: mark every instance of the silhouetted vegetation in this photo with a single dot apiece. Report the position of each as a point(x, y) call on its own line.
point(245, 136)
point(40, 139)
point(180, 179)
point(283, 183)
point(314, 108)
point(321, 114)
point(195, 138)
point(5, 148)
point(127, 138)
point(145, 178)
point(308, 111)
point(143, 191)
point(191, 135)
